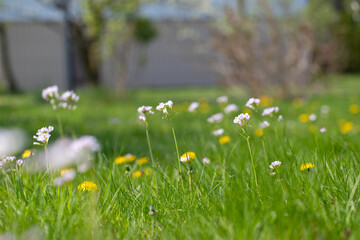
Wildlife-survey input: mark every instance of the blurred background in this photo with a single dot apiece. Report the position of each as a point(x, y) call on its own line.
point(263, 46)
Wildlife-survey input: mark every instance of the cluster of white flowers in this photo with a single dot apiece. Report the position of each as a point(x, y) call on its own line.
point(242, 119)
point(275, 165)
point(251, 102)
point(216, 118)
point(162, 107)
point(270, 111)
point(231, 108)
point(67, 100)
point(193, 106)
point(66, 177)
point(218, 132)
point(264, 124)
point(43, 135)
point(143, 111)
point(312, 117)
point(222, 99)
point(6, 159)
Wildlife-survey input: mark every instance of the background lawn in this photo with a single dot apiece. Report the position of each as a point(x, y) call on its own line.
point(218, 200)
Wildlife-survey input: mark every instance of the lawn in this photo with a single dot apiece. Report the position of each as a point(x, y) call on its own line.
point(235, 196)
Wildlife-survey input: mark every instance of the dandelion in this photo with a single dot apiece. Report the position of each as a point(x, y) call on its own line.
point(224, 140)
point(259, 132)
point(266, 100)
point(142, 161)
point(218, 132)
point(251, 102)
point(216, 118)
point(193, 106)
point(43, 135)
point(304, 118)
point(136, 174)
point(126, 158)
point(306, 166)
point(354, 109)
point(87, 186)
point(63, 171)
point(264, 124)
point(222, 99)
point(275, 165)
point(231, 108)
point(187, 157)
point(26, 154)
point(242, 119)
point(346, 127)
point(312, 117)
point(270, 111)
point(206, 160)
point(323, 130)
point(163, 107)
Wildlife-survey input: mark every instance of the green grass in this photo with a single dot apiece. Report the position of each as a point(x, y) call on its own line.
point(215, 201)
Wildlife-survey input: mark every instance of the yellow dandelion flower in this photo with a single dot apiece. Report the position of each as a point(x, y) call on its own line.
point(136, 174)
point(259, 132)
point(65, 170)
point(224, 140)
point(187, 157)
point(124, 159)
point(354, 109)
point(346, 127)
point(26, 154)
point(142, 161)
point(87, 186)
point(304, 118)
point(306, 166)
point(266, 100)
point(298, 102)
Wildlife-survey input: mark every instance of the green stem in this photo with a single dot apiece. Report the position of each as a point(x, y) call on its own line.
point(60, 125)
point(148, 141)
point(176, 146)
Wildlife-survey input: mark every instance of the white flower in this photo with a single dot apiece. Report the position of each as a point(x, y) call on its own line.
point(270, 111)
point(145, 109)
point(324, 109)
point(323, 130)
point(231, 108)
point(222, 99)
point(19, 162)
point(242, 119)
point(86, 143)
point(142, 118)
point(68, 100)
point(6, 159)
point(163, 107)
point(193, 106)
point(216, 118)
point(251, 102)
point(264, 124)
point(312, 117)
point(43, 135)
point(275, 165)
point(206, 160)
point(280, 118)
point(50, 93)
point(218, 132)
point(68, 176)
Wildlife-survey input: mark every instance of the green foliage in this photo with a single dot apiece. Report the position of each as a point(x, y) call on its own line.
point(215, 201)
point(144, 30)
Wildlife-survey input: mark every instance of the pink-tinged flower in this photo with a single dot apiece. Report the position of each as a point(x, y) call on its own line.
point(43, 135)
point(216, 118)
point(323, 130)
point(145, 109)
point(280, 118)
point(270, 111)
point(206, 160)
point(19, 162)
point(218, 132)
point(275, 165)
point(251, 102)
point(163, 107)
point(242, 119)
point(264, 124)
point(193, 106)
point(231, 108)
point(222, 99)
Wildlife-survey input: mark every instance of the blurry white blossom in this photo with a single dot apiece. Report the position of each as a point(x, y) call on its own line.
point(19, 162)
point(323, 130)
point(251, 102)
point(312, 117)
point(193, 106)
point(280, 118)
point(222, 99)
point(50, 93)
point(231, 108)
point(270, 111)
point(218, 132)
point(216, 118)
point(206, 160)
point(324, 109)
point(242, 119)
point(142, 118)
point(6, 159)
point(43, 135)
point(68, 100)
point(143, 111)
point(264, 124)
point(11, 141)
point(162, 107)
point(275, 165)
point(66, 177)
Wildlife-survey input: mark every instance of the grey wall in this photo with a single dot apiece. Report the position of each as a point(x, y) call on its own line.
point(36, 54)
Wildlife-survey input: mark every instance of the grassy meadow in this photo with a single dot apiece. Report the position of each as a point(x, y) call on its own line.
point(235, 196)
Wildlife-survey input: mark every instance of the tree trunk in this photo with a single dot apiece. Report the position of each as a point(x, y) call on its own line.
point(5, 58)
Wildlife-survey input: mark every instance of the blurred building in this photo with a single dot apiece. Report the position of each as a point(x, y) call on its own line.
point(180, 55)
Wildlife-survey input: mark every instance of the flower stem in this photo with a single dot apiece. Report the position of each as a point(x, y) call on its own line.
point(176, 145)
point(60, 125)
point(148, 141)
